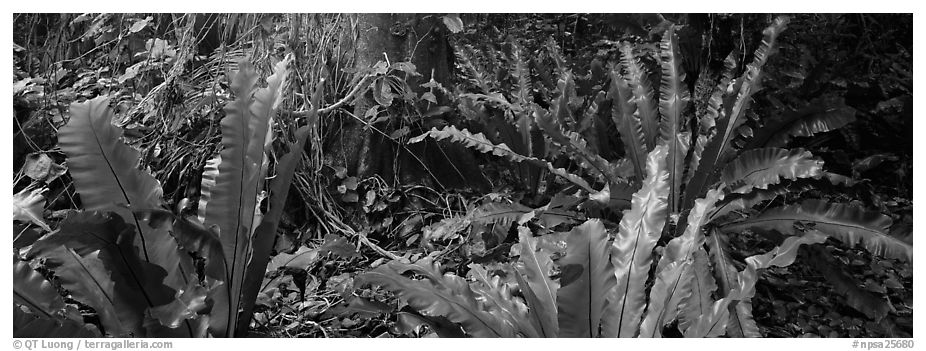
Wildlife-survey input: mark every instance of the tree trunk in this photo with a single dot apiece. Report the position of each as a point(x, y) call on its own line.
point(419, 39)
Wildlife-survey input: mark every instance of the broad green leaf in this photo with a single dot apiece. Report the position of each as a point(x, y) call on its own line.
point(32, 290)
point(674, 271)
point(638, 79)
point(479, 143)
point(631, 253)
point(137, 285)
point(88, 281)
point(497, 298)
point(847, 223)
point(279, 186)
point(700, 301)
point(719, 148)
point(437, 294)
point(28, 325)
point(105, 169)
point(673, 99)
point(628, 123)
point(818, 116)
point(581, 302)
point(760, 168)
point(533, 269)
point(744, 288)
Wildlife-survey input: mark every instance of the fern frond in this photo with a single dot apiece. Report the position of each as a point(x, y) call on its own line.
point(575, 146)
point(673, 272)
point(817, 117)
point(479, 143)
point(582, 299)
point(847, 223)
point(673, 100)
point(627, 121)
point(497, 298)
point(642, 95)
point(700, 301)
point(719, 147)
point(759, 168)
point(631, 254)
point(533, 274)
point(437, 294)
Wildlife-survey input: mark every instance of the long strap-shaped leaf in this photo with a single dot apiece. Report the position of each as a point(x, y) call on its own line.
point(628, 123)
point(847, 223)
point(279, 191)
point(760, 168)
point(534, 280)
point(233, 209)
point(88, 281)
point(437, 295)
point(674, 272)
point(104, 168)
point(673, 99)
point(29, 325)
point(700, 301)
point(581, 302)
point(32, 290)
point(719, 148)
point(479, 143)
point(137, 285)
point(498, 300)
point(743, 291)
point(642, 94)
point(631, 253)
point(817, 116)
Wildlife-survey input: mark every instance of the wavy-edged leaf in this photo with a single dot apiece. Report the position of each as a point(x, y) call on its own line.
point(736, 201)
point(581, 302)
point(210, 173)
point(437, 295)
point(533, 269)
point(137, 285)
point(673, 272)
point(642, 89)
point(817, 117)
point(759, 168)
point(631, 254)
point(496, 296)
point(574, 145)
point(873, 306)
point(628, 123)
point(733, 115)
point(742, 291)
point(105, 169)
point(32, 290)
point(781, 256)
point(262, 239)
point(726, 274)
point(88, 281)
point(28, 325)
point(479, 143)
point(700, 301)
point(847, 223)
point(188, 303)
point(751, 83)
point(673, 100)
point(240, 180)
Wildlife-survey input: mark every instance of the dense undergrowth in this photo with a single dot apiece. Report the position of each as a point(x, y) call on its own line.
point(639, 176)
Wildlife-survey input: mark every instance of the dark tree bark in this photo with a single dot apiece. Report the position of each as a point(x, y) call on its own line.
point(421, 40)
